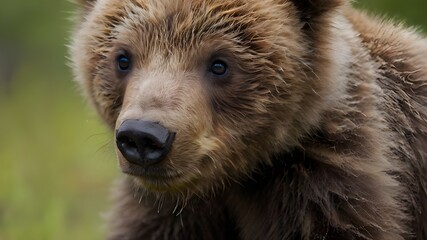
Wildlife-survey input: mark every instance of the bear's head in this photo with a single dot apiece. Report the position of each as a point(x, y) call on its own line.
point(201, 92)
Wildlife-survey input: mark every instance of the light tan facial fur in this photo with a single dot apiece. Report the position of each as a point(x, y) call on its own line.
point(264, 103)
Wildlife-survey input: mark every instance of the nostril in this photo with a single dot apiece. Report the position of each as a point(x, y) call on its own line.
point(128, 143)
point(148, 145)
point(128, 148)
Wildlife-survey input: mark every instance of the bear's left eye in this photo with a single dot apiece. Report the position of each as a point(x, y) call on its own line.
point(219, 68)
point(123, 63)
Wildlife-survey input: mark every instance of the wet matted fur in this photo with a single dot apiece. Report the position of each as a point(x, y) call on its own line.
point(317, 131)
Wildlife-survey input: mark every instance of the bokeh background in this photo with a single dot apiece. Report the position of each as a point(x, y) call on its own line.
point(56, 158)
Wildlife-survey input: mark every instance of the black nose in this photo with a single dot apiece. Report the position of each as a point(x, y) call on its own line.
point(142, 142)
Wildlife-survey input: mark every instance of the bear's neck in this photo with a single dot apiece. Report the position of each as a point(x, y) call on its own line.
point(334, 159)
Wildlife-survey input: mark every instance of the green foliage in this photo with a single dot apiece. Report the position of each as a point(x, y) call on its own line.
point(56, 164)
point(57, 160)
point(412, 12)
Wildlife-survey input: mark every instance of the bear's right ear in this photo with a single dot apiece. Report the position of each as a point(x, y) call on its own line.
point(310, 9)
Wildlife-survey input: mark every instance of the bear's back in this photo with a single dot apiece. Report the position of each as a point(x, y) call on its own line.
point(401, 55)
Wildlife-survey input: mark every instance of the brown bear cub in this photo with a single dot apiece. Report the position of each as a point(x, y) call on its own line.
point(258, 119)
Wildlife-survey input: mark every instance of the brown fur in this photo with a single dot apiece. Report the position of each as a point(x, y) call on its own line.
point(319, 131)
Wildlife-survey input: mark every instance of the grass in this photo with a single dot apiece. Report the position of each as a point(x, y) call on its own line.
point(57, 162)
point(56, 159)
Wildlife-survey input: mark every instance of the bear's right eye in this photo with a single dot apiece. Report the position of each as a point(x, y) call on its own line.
point(123, 63)
point(219, 68)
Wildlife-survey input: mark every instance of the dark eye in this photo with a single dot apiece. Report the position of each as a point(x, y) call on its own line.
point(123, 63)
point(219, 68)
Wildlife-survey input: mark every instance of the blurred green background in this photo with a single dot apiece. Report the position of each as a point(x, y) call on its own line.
point(56, 158)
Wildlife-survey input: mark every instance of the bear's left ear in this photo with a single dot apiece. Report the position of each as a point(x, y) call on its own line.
point(310, 9)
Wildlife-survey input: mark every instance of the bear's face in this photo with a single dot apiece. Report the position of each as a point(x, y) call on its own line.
point(229, 79)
